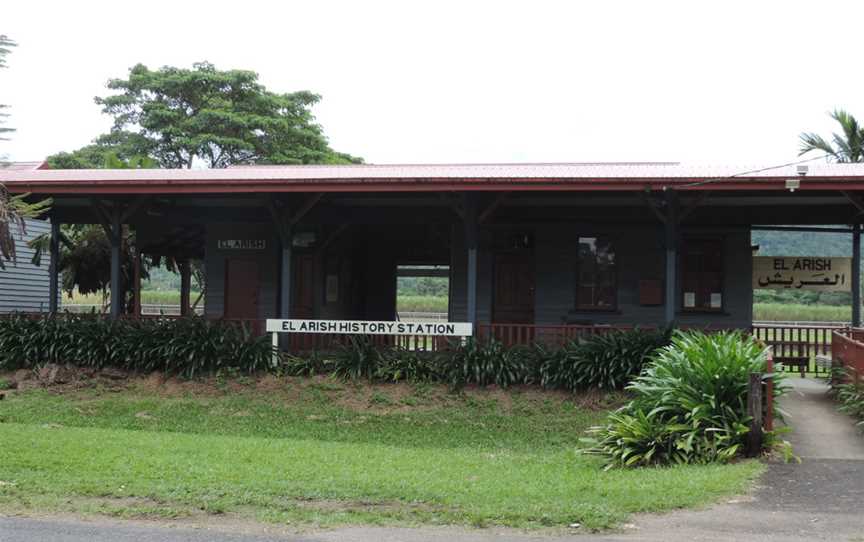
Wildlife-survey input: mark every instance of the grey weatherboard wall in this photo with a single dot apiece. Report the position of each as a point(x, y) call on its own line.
point(24, 286)
point(640, 255)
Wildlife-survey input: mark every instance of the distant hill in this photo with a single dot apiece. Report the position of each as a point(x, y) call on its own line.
point(783, 243)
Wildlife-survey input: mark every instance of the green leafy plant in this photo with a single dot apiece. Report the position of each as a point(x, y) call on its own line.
point(309, 364)
point(358, 357)
point(488, 362)
point(849, 391)
point(400, 364)
point(605, 361)
point(187, 346)
point(689, 405)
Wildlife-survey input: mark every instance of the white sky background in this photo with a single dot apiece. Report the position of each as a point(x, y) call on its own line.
point(409, 82)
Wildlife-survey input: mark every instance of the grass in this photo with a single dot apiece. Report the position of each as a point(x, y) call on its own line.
point(409, 303)
point(801, 313)
point(324, 452)
point(421, 303)
point(148, 297)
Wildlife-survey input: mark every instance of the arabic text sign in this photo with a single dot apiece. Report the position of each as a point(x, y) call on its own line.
point(370, 327)
point(802, 273)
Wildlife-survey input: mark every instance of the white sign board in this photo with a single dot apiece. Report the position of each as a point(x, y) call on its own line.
point(371, 327)
point(802, 273)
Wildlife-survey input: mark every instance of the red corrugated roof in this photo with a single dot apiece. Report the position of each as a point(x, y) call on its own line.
point(412, 177)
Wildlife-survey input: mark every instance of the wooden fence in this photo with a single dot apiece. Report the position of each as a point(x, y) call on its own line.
point(848, 351)
point(796, 347)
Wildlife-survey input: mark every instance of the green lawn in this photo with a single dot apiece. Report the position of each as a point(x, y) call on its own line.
point(324, 452)
point(801, 313)
point(148, 297)
point(421, 303)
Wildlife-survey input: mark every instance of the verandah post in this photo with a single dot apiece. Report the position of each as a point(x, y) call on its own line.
point(856, 275)
point(185, 287)
point(136, 282)
point(116, 237)
point(285, 274)
point(471, 245)
point(54, 268)
point(671, 236)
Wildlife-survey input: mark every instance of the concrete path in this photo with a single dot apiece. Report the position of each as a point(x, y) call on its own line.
point(819, 430)
point(822, 498)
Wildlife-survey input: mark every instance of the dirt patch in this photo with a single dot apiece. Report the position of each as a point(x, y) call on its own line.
point(65, 378)
point(359, 396)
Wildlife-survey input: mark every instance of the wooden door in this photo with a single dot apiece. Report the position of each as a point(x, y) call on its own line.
point(513, 301)
point(302, 294)
point(242, 287)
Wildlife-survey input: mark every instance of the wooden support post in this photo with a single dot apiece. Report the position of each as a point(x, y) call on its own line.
point(285, 275)
point(54, 268)
point(471, 243)
point(856, 275)
point(136, 283)
point(282, 222)
point(115, 238)
point(754, 410)
point(671, 236)
point(185, 287)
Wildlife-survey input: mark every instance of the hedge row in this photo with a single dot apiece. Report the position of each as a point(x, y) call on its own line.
point(186, 346)
point(194, 346)
point(607, 361)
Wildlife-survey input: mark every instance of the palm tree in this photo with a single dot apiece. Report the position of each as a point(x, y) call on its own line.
point(13, 209)
point(847, 146)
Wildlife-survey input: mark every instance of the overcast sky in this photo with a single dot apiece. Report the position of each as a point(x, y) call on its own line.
point(463, 81)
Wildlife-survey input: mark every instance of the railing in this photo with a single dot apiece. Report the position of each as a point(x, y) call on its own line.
point(796, 347)
point(150, 309)
point(550, 335)
point(848, 351)
point(307, 342)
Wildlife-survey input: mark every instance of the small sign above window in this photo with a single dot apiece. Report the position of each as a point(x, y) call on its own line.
point(242, 244)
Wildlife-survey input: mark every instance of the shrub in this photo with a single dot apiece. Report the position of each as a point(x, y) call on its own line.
point(187, 347)
point(689, 405)
point(399, 364)
point(358, 357)
point(605, 361)
point(487, 362)
point(850, 393)
point(310, 364)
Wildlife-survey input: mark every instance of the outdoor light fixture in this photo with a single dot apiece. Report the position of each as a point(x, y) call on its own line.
point(803, 170)
point(793, 184)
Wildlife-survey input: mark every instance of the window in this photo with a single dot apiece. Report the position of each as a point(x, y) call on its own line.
point(702, 274)
point(596, 280)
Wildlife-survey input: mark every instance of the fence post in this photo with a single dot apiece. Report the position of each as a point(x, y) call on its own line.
point(769, 393)
point(275, 356)
point(754, 410)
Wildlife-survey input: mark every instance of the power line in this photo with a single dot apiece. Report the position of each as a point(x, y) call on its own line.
point(751, 172)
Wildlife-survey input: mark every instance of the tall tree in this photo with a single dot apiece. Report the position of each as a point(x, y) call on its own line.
point(217, 118)
point(848, 144)
point(13, 209)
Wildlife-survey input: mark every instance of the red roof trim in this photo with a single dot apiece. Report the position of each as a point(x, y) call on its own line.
point(468, 185)
point(431, 178)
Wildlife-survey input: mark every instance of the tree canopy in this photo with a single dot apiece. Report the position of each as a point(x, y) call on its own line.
point(847, 146)
point(180, 117)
